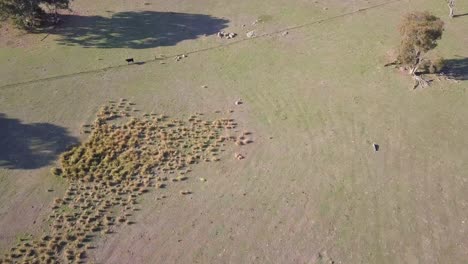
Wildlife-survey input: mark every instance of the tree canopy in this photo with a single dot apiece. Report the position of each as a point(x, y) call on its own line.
point(28, 14)
point(419, 34)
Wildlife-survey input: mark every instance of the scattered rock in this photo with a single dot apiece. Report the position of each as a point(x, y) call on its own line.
point(250, 34)
point(238, 102)
point(239, 156)
point(202, 179)
point(179, 57)
point(256, 22)
point(376, 147)
point(284, 33)
point(204, 86)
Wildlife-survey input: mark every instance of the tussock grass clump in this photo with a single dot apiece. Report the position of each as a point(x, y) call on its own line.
point(182, 178)
point(122, 158)
point(56, 171)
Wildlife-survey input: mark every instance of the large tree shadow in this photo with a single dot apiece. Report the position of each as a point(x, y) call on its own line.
point(456, 69)
point(135, 30)
point(30, 146)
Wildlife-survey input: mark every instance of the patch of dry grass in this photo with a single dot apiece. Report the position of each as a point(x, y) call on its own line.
point(122, 159)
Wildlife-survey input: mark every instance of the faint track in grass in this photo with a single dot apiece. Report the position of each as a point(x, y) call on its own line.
point(268, 34)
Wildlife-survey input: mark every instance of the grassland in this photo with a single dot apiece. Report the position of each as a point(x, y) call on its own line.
point(311, 189)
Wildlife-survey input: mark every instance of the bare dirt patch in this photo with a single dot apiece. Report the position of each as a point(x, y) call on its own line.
point(15, 38)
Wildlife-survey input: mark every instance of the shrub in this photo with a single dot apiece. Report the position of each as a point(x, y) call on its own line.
point(419, 34)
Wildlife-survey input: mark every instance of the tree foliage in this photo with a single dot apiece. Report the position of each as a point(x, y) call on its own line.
point(25, 13)
point(419, 34)
point(55, 5)
point(29, 14)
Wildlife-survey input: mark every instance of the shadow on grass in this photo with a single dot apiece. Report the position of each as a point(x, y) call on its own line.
point(456, 69)
point(30, 146)
point(135, 30)
point(460, 15)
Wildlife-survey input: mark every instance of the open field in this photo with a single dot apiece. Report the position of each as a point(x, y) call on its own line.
point(310, 190)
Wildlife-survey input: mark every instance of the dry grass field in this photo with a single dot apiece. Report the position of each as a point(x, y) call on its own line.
point(315, 96)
